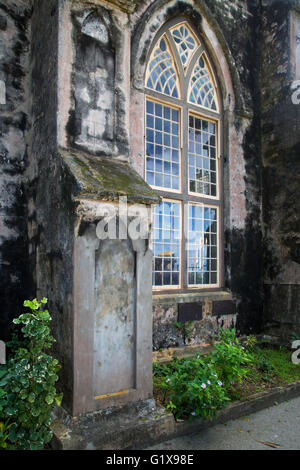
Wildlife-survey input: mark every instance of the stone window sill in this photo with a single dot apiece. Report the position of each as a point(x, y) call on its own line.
point(191, 297)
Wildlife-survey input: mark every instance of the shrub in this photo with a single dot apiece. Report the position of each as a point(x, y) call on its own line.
point(194, 389)
point(27, 387)
point(198, 388)
point(230, 356)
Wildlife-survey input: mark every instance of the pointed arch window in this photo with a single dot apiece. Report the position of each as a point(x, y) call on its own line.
point(202, 88)
point(162, 76)
point(186, 42)
point(182, 160)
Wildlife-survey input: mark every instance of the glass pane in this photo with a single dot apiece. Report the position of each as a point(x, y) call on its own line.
point(185, 41)
point(202, 89)
point(202, 249)
point(202, 179)
point(162, 75)
point(166, 244)
point(162, 146)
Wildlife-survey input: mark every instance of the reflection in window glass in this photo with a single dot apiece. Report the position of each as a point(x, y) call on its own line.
point(166, 244)
point(202, 245)
point(202, 157)
point(162, 146)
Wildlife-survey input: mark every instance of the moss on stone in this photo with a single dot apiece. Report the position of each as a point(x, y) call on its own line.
point(103, 178)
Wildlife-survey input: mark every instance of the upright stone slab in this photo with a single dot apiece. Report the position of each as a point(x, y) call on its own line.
point(112, 316)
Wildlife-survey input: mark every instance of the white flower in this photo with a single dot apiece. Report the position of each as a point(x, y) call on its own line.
point(209, 383)
point(168, 380)
point(220, 383)
point(203, 386)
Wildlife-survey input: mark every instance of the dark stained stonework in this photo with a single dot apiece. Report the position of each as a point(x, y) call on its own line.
point(224, 307)
point(280, 123)
point(126, 5)
point(15, 278)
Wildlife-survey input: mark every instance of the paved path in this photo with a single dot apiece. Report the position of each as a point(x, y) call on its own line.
point(278, 425)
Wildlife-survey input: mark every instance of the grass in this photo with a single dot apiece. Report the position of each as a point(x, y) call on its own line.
point(271, 368)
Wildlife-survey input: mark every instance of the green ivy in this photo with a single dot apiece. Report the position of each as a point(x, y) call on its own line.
point(27, 383)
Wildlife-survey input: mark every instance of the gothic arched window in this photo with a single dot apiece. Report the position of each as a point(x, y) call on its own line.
point(182, 152)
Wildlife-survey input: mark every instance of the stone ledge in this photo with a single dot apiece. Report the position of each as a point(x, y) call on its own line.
point(113, 429)
point(145, 423)
point(107, 179)
point(126, 6)
point(191, 297)
point(166, 355)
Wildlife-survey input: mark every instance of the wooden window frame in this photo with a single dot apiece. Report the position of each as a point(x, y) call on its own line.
point(184, 196)
point(174, 288)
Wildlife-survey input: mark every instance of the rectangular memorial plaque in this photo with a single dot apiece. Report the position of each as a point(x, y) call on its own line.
point(190, 312)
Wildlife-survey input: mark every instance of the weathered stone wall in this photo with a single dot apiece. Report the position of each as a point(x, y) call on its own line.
point(51, 211)
point(96, 120)
point(189, 319)
point(281, 167)
point(15, 283)
point(240, 26)
point(70, 89)
point(93, 104)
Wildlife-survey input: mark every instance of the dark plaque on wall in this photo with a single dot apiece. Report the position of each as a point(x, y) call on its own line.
point(189, 312)
point(224, 307)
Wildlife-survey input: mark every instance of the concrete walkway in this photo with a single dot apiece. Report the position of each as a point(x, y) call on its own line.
point(279, 425)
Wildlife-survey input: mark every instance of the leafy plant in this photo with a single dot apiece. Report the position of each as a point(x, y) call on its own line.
point(265, 366)
point(176, 383)
point(229, 357)
point(15, 342)
point(27, 386)
point(193, 389)
point(251, 343)
point(4, 429)
point(185, 328)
